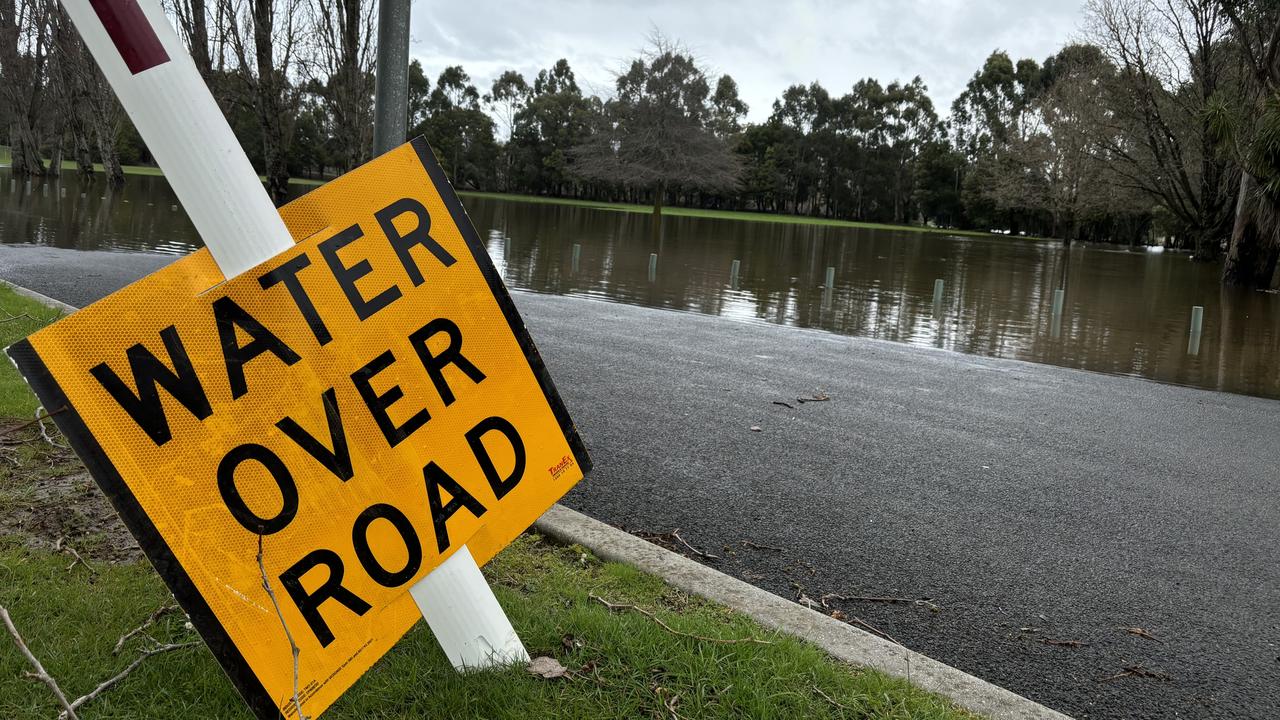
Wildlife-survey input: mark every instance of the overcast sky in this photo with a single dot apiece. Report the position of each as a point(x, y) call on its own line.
point(766, 45)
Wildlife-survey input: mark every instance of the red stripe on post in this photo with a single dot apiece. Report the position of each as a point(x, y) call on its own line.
point(130, 32)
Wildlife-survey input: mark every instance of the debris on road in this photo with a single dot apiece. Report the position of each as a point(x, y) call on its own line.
point(1140, 633)
point(919, 602)
point(1063, 643)
point(1136, 671)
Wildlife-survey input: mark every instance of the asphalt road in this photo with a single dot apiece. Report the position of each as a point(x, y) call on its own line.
point(1036, 506)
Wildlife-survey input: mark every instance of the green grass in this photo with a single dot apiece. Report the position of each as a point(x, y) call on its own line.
point(71, 620)
point(19, 317)
point(629, 666)
point(6, 157)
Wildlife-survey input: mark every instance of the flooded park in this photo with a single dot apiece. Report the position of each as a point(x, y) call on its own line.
point(1124, 311)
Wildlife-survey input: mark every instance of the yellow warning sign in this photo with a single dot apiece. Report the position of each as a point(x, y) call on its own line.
point(354, 409)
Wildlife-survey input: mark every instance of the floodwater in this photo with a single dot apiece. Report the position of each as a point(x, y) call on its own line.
point(1122, 312)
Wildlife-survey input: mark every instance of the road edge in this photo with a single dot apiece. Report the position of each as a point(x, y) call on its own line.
point(38, 297)
point(838, 639)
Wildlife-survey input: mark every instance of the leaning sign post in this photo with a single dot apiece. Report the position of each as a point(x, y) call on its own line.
point(302, 423)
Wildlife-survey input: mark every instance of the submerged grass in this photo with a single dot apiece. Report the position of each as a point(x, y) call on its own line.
point(739, 215)
point(670, 211)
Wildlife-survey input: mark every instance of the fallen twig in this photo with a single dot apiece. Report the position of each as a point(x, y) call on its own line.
point(785, 405)
point(293, 647)
point(676, 534)
point(921, 602)
point(151, 619)
point(76, 558)
point(867, 625)
point(1136, 671)
point(39, 421)
point(40, 674)
point(670, 700)
point(673, 631)
point(820, 397)
point(758, 546)
point(29, 423)
point(69, 713)
point(1141, 633)
point(829, 699)
point(1063, 643)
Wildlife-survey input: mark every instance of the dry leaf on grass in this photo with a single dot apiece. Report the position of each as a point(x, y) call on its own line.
point(547, 668)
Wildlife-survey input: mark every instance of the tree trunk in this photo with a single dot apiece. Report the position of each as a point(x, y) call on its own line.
point(1206, 245)
point(106, 137)
point(1251, 255)
point(55, 155)
point(25, 152)
point(271, 86)
point(199, 37)
point(84, 154)
point(658, 191)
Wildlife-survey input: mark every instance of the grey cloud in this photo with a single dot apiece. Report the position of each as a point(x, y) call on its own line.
point(766, 46)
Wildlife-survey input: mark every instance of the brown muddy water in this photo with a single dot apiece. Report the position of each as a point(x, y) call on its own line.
point(1126, 312)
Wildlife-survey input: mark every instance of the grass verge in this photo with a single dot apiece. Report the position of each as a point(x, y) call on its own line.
point(624, 664)
point(19, 317)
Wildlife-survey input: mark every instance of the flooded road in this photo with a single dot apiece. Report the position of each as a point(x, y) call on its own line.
point(1123, 311)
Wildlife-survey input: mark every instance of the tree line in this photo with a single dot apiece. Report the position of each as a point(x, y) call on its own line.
point(1161, 122)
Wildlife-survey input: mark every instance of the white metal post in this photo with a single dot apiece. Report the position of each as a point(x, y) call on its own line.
point(187, 134)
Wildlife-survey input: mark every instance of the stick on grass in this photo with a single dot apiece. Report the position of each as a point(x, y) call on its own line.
point(673, 631)
point(69, 713)
point(40, 674)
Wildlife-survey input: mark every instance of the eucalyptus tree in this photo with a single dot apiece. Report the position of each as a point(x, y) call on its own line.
point(555, 119)
point(908, 122)
point(458, 128)
point(727, 109)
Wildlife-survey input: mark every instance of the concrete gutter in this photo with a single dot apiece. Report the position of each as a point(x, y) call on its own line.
point(838, 639)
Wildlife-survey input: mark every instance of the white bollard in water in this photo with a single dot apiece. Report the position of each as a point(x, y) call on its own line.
point(577, 256)
point(1059, 296)
point(938, 286)
point(653, 267)
point(1197, 325)
point(734, 268)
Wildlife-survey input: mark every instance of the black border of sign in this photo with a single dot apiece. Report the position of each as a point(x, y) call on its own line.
point(215, 636)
